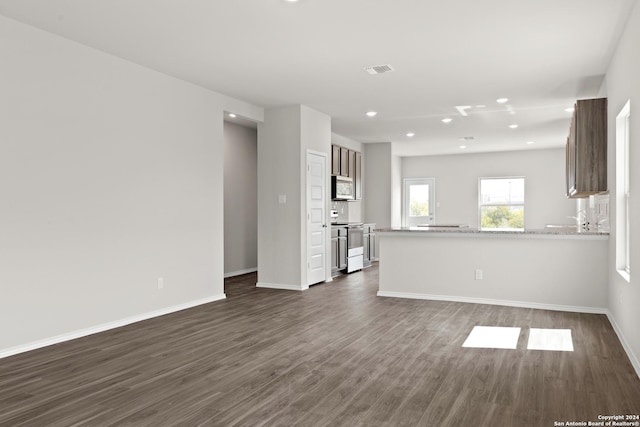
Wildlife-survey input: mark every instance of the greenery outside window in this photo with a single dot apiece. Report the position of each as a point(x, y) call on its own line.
point(501, 203)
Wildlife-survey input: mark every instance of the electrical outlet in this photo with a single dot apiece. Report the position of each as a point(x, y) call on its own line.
point(160, 282)
point(479, 274)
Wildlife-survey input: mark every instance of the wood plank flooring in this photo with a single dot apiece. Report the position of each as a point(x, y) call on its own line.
point(334, 355)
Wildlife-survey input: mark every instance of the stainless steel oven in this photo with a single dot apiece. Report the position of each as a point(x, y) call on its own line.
point(355, 250)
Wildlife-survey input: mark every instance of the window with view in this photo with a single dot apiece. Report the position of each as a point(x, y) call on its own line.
point(502, 203)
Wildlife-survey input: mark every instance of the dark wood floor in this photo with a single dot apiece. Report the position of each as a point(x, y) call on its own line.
point(333, 355)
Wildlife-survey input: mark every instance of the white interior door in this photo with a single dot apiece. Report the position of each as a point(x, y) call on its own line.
point(316, 218)
point(419, 202)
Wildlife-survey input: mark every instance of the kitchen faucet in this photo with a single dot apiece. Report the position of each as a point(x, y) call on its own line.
point(581, 219)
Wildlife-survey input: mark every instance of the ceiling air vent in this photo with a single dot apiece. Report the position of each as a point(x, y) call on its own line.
point(379, 69)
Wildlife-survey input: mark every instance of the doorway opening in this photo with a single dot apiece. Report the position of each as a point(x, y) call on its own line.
point(240, 198)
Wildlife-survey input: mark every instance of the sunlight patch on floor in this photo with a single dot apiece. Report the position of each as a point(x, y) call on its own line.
point(550, 339)
point(493, 337)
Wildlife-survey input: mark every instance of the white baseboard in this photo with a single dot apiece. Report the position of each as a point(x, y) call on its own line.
point(281, 286)
point(522, 304)
point(105, 326)
point(627, 348)
point(240, 272)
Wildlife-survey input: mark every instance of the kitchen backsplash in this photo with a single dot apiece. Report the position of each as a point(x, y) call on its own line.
point(594, 210)
point(348, 211)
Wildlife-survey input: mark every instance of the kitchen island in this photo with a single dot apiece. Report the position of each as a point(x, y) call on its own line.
point(548, 268)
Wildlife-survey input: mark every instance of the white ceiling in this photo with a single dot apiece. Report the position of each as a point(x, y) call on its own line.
point(541, 54)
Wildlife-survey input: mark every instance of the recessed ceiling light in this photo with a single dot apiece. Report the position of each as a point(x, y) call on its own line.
point(513, 126)
point(462, 109)
point(480, 106)
point(530, 142)
point(463, 147)
point(447, 120)
point(502, 100)
point(233, 116)
point(371, 113)
point(410, 134)
point(569, 110)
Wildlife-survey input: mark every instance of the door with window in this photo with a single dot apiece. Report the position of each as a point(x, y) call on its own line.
point(419, 202)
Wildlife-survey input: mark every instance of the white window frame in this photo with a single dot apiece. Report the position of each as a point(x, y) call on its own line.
point(623, 214)
point(481, 205)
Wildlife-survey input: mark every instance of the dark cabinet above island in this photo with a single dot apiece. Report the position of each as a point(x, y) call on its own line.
point(586, 149)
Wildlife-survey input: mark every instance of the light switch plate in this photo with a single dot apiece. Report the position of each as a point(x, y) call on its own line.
point(282, 199)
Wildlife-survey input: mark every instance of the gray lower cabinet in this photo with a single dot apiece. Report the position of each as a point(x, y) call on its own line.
point(373, 249)
point(338, 249)
point(342, 252)
point(365, 248)
point(334, 255)
point(369, 243)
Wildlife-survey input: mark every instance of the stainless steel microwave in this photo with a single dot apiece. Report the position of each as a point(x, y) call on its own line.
point(342, 188)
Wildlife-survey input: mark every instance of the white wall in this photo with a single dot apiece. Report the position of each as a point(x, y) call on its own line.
point(457, 183)
point(279, 225)
point(283, 140)
point(315, 135)
point(377, 184)
point(554, 273)
point(396, 191)
point(240, 199)
point(622, 84)
point(111, 176)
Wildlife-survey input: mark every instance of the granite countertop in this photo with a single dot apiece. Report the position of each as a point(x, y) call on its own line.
point(477, 232)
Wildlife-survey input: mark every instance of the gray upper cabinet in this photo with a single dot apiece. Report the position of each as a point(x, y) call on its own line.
point(352, 164)
point(348, 163)
point(344, 161)
point(586, 149)
point(335, 160)
point(358, 176)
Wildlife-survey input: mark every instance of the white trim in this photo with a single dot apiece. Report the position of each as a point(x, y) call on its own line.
point(522, 304)
point(625, 275)
point(319, 153)
point(627, 348)
point(106, 326)
point(623, 217)
point(240, 272)
point(281, 286)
